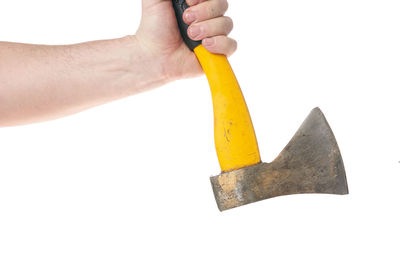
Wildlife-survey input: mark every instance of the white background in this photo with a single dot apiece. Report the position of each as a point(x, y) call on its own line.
point(127, 184)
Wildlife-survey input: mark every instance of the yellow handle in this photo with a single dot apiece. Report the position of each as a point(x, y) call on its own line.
point(235, 139)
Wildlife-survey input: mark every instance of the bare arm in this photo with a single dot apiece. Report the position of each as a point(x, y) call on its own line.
point(39, 82)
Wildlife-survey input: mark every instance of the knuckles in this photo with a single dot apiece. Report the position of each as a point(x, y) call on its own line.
point(229, 23)
point(212, 9)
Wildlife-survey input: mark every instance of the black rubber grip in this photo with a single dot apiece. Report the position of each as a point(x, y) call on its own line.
point(180, 6)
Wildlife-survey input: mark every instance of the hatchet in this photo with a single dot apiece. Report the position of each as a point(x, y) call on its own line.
point(310, 163)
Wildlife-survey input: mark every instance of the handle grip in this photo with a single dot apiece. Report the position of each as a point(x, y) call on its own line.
point(235, 139)
point(180, 6)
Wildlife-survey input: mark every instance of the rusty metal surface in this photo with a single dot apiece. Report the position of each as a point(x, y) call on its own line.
point(310, 163)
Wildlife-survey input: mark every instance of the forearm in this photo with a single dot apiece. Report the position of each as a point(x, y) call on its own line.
point(39, 82)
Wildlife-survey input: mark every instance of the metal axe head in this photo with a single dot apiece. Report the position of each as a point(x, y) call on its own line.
point(310, 163)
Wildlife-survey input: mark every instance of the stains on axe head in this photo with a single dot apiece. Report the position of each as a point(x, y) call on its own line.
point(310, 163)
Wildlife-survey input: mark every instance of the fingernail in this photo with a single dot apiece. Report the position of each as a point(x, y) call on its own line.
point(194, 32)
point(189, 17)
point(208, 41)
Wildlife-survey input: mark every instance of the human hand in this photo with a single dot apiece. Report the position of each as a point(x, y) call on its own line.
point(160, 39)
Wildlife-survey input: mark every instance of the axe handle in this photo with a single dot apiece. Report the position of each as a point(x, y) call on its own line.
point(235, 139)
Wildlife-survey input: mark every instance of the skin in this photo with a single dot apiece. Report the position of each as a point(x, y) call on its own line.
point(40, 82)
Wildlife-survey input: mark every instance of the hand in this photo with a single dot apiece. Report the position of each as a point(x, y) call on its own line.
point(159, 37)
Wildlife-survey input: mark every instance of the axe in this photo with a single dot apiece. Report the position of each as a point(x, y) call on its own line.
point(310, 163)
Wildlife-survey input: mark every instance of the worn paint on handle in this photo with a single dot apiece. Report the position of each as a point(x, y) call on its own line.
point(235, 139)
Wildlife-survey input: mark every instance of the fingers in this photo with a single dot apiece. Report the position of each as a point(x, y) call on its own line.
point(220, 45)
point(209, 28)
point(201, 10)
point(207, 22)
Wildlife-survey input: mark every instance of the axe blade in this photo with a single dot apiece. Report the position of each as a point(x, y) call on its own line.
point(310, 163)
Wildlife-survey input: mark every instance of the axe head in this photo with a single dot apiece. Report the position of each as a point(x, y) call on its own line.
point(310, 163)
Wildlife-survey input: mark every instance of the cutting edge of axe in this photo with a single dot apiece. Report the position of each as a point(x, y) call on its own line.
point(310, 163)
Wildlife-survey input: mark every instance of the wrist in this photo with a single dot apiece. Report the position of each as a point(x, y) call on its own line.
point(146, 65)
